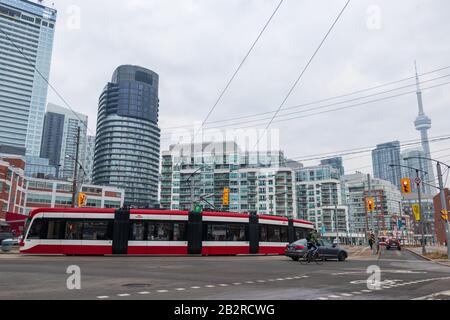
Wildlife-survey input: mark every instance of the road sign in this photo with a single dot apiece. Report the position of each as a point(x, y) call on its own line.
point(418, 180)
point(444, 215)
point(416, 211)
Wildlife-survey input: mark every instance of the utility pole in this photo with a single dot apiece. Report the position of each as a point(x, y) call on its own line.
point(336, 222)
point(444, 207)
point(372, 223)
point(75, 171)
point(422, 222)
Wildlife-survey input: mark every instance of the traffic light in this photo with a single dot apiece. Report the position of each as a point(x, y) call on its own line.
point(406, 186)
point(444, 215)
point(226, 196)
point(370, 204)
point(82, 199)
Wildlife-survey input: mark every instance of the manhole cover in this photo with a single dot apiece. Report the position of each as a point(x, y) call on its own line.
point(136, 285)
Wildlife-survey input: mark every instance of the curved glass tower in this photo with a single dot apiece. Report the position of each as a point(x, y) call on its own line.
point(127, 146)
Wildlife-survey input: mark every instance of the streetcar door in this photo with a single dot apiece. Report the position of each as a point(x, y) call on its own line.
point(121, 231)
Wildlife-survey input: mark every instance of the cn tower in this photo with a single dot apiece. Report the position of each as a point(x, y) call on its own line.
point(423, 124)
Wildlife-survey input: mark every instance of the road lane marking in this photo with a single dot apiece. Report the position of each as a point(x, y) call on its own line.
point(356, 292)
point(431, 296)
point(346, 295)
point(180, 289)
point(144, 292)
point(223, 285)
point(124, 295)
point(366, 291)
point(261, 281)
point(322, 298)
point(210, 286)
point(195, 287)
point(334, 297)
point(103, 297)
point(237, 283)
point(162, 291)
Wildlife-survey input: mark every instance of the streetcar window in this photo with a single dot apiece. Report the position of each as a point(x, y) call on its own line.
point(159, 231)
point(137, 231)
point(96, 230)
point(284, 234)
point(179, 232)
point(54, 229)
point(268, 233)
point(226, 232)
point(263, 233)
point(217, 232)
point(74, 230)
point(273, 234)
point(300, 233)
point(236, 232)
point(36, 228)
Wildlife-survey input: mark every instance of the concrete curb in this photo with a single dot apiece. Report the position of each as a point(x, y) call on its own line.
point(426, 258)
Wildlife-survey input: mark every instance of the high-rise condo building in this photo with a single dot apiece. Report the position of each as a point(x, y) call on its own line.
point(59, 139)
point(26, 42)
point(382, 157)
point(127, 147)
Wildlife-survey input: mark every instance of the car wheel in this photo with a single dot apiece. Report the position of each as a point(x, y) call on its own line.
point(342, 256)
point(295, 258)
point(388, 248)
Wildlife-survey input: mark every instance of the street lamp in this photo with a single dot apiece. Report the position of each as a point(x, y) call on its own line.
point(442, 195)
point(418, 183)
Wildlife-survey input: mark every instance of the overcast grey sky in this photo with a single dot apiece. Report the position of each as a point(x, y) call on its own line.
point(195, 46)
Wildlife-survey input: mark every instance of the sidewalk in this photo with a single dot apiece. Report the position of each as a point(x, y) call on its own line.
point(430, 249)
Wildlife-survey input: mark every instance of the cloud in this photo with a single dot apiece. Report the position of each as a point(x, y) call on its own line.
point(196, 45)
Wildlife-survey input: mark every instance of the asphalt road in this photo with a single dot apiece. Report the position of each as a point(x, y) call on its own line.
point(403, 276)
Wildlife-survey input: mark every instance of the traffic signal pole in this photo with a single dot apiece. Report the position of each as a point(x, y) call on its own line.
point(444, 206)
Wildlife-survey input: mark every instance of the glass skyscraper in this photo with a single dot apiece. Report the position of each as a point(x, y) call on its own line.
point(28, 27)
point(382, 157)
point(127, 147)
point(59, 139)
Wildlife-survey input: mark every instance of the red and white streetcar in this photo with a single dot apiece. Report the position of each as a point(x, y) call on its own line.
point(90, 231)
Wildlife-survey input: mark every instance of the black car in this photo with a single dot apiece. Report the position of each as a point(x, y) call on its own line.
point(327, 250)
